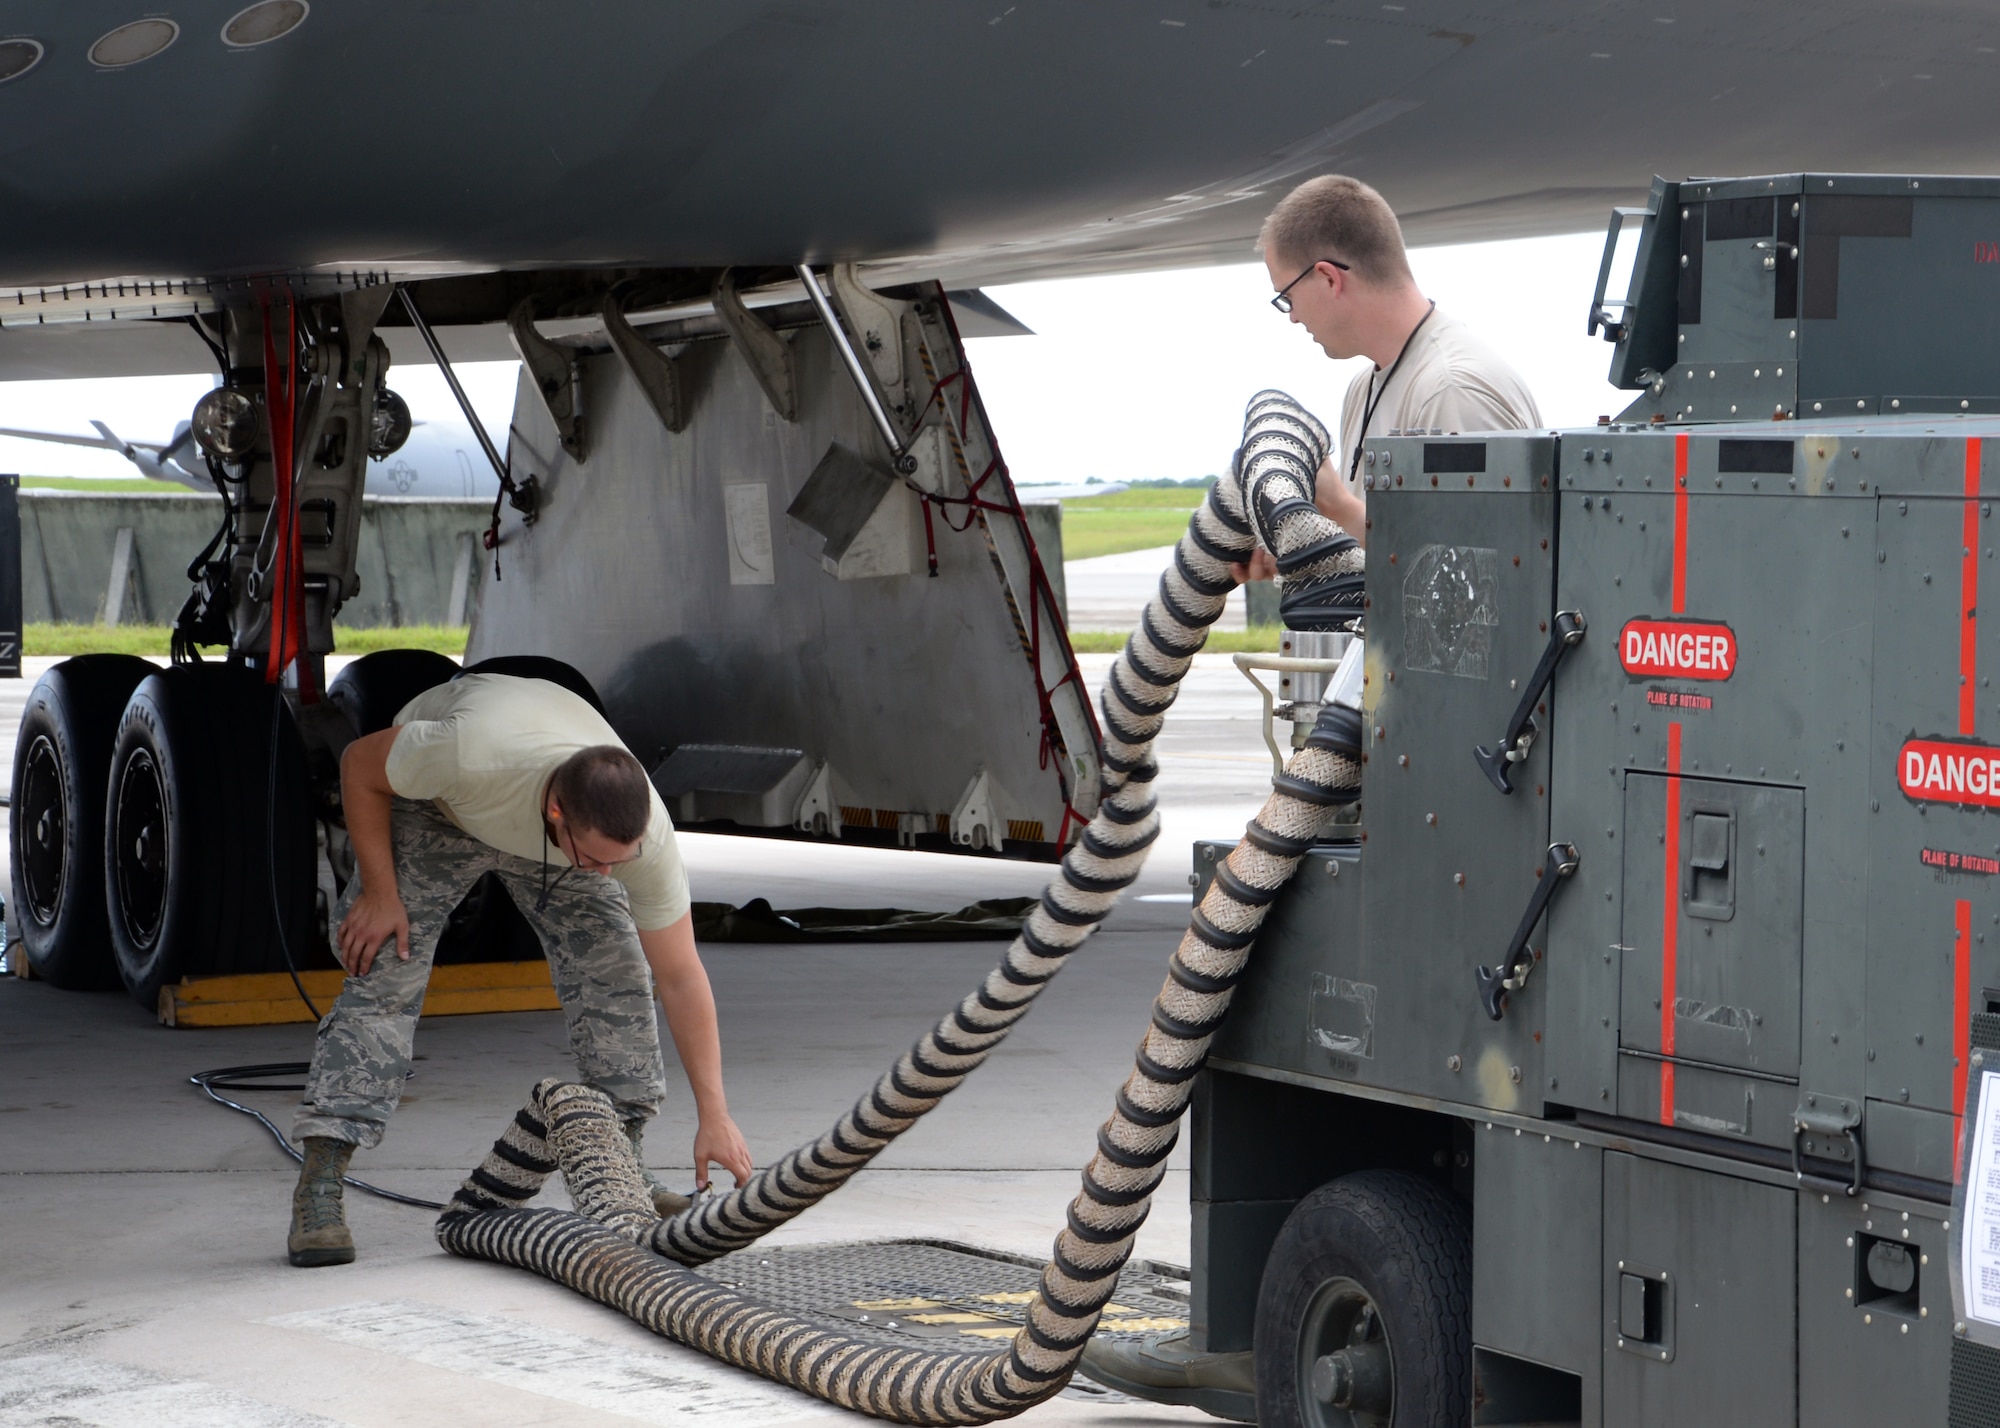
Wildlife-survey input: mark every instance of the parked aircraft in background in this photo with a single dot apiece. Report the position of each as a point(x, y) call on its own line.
point(441, 458)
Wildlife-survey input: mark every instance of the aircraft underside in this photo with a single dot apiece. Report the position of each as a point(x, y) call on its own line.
point(778, 544)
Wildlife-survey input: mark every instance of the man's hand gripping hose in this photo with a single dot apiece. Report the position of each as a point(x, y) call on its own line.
point(614, 1249)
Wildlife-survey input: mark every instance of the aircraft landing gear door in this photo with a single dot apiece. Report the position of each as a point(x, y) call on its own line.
point(1699, 1276)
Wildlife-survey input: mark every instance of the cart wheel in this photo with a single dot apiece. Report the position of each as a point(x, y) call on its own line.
point(1364, 1315)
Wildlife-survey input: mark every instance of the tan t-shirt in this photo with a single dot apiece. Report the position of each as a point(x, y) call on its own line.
point(483, 747)
point(1448, 381)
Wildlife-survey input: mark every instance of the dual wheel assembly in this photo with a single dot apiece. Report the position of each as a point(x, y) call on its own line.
point(162, 823)
point(157, 832)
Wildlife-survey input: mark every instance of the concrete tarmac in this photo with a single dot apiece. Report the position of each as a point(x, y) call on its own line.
point(142, 1272)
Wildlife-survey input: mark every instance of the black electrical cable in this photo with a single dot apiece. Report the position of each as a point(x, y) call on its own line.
point(237, 1078)
point(221, 357)
point(271, 863)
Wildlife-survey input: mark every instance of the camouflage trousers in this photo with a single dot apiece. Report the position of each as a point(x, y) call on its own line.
point(362, 1053)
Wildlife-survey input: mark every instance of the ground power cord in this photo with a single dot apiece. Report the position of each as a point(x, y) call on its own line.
point(257, 1078)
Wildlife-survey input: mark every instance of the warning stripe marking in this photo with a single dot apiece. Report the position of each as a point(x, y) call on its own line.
point(1680, 523)
point(1968, 593)
point(1670, 924)
point(1961, 1019)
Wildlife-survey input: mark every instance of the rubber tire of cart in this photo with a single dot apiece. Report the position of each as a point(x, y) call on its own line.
point(540, 667)
point(372, 690)
point(68, 726)
point(192, 829)
point(1408, 1243)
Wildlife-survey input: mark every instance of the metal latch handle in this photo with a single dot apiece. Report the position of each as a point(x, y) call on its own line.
point(1826, 1126)
point(1614, 331)
point(1519, 959)
point(1521, 729)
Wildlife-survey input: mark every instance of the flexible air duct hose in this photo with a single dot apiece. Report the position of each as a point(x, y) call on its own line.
point(1320, 566)
point(614, 1249)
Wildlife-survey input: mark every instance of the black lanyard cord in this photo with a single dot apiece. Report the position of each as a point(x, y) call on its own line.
point(542, 902)
point(1375, 400)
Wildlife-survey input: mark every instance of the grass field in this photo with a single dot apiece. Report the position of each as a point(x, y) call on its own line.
point(155, 639)
point(1136, 519)
point(1258, 639)
point(120, 485)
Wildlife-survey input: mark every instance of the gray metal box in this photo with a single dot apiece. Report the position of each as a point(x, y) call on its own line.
point(1461, 577)
point(1814, 295)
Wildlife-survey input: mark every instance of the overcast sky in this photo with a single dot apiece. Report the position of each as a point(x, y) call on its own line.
point(1126, 377)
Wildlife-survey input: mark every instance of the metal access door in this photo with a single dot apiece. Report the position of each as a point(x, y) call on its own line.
point(1699, 1311)
point(1714, 884)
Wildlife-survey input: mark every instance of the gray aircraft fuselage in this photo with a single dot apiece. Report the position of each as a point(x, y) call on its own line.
point(975, 141)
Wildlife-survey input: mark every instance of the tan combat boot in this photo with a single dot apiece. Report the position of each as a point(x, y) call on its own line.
point(666, 1203)
point(319, 1228)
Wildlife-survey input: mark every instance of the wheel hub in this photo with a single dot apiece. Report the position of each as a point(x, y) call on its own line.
point(1345, 1360)
point(139, 840)
point(45, 860)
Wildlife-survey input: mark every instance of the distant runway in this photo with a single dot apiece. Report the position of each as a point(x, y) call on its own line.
point(1107, 592)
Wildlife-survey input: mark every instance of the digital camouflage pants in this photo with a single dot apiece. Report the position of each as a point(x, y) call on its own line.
point(362, 1053)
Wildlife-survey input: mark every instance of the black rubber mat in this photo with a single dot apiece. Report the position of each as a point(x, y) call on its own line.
point(926, 1290)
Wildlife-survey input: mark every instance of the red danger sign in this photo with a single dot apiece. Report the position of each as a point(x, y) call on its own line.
point(1941, 772)
point(1677, 649)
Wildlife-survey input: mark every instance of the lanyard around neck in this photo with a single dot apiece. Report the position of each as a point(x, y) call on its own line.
point(1375, 399)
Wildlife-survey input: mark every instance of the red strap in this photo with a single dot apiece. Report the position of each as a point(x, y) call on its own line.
point(287, 555)
point(1041, 591)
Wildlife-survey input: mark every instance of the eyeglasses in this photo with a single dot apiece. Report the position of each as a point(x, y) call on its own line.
point(1283, 302)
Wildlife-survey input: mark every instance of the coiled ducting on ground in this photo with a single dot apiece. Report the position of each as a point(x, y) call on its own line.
point(614, 1249)
point(1320, 566)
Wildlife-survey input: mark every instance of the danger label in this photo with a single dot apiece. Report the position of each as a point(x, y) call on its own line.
point(1941, 772)
point(1677, 649)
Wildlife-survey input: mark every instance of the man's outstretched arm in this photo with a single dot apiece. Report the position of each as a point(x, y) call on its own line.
point(689, 1003)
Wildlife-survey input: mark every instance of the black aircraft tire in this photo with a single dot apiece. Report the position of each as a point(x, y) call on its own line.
point(191, 843)
point(540, 667)
point(56, 819)
point(373, 689)
point(1376, 1257)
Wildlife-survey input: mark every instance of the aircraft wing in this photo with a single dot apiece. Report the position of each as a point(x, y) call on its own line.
point(926, 139)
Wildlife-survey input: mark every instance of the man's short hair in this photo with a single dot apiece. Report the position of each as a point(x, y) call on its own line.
point(1338, 217)
point(603, 790)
